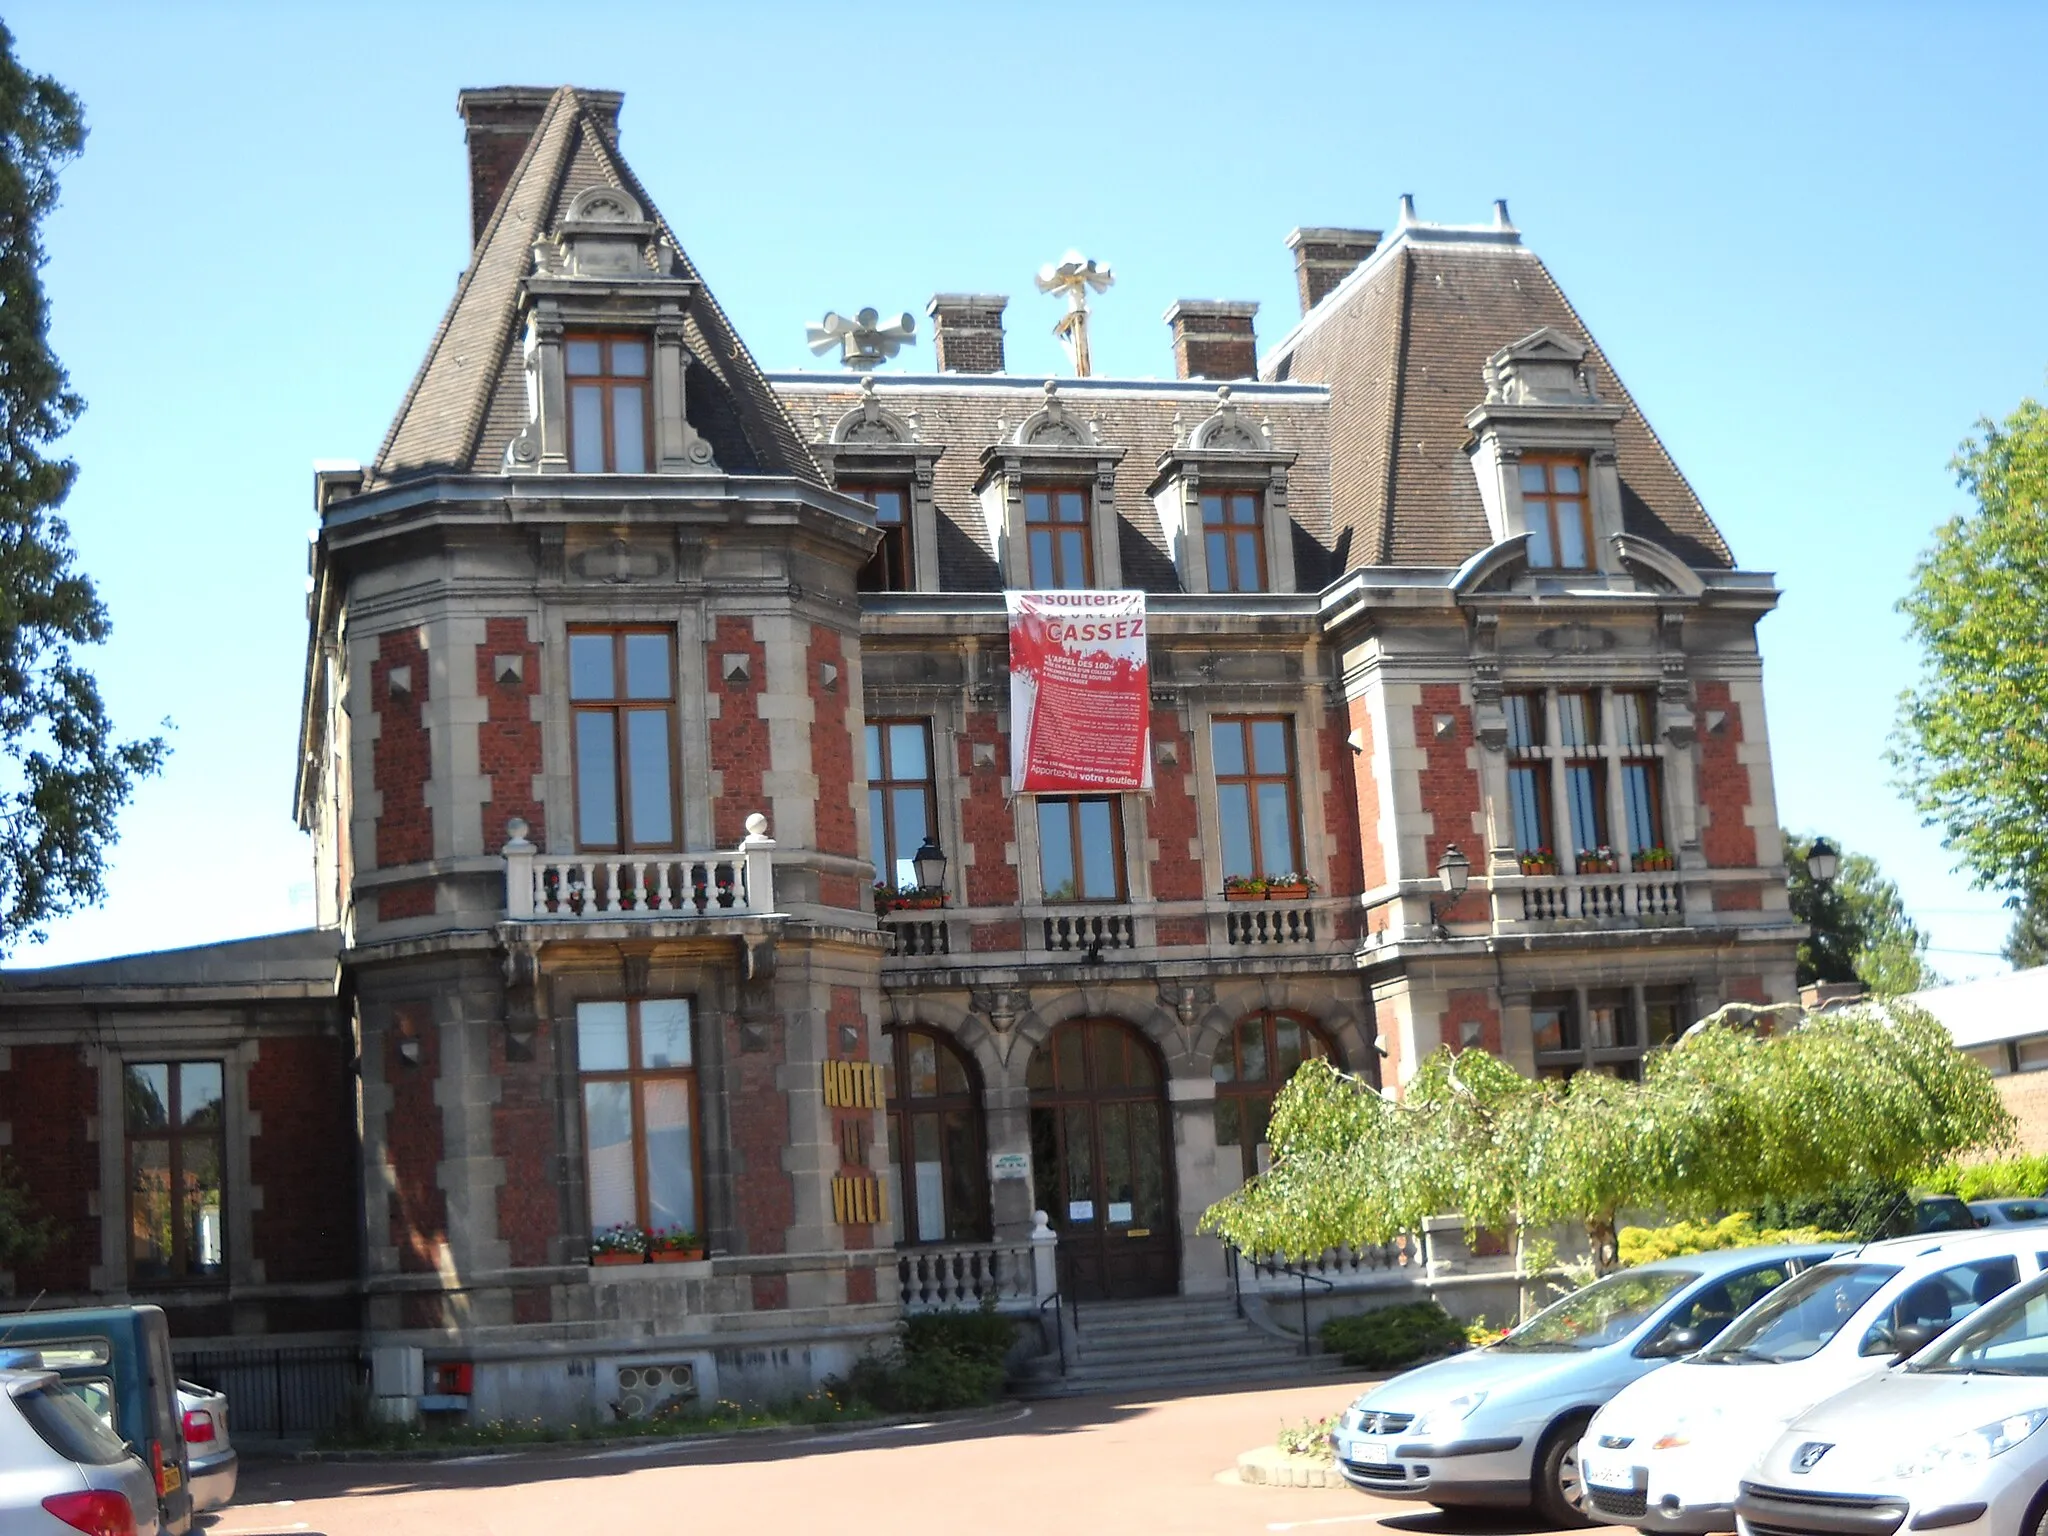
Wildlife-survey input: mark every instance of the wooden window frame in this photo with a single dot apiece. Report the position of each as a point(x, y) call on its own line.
point(1591, 756)
point(1250, 780)
point(606, 384)
point(1625, 1060)
point(893, 567)
point(634, 1076)
point(1116, 822)
point(619, 706)
point(904, 1106)
point(1239, 1090)
point(884, 834)
point(1052, 492)
point(1642, 754)
point(1230, 579)
point(1533, 758)
point(1543, 504)
point(174, 1136)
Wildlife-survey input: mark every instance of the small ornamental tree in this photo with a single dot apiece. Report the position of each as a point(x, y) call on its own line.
point(1729, 1116)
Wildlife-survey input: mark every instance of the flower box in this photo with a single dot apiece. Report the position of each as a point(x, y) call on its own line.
point(1297, 891)
point(1538, 864)
point(605, 1260)
point(676, 1255)
point(1590, 866)
point(1652, 861)
point(1243, 893)
point(911, 903)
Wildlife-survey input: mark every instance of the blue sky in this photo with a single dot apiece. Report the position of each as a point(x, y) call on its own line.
point(1809, 238)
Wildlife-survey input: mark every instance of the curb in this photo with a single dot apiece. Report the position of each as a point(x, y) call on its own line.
point(594, 1442)
point(1271, 1467)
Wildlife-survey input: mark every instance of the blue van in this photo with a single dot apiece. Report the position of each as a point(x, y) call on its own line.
point(119, 1360)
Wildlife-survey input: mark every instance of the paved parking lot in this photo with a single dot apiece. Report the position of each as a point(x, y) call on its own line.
point(1107, 1463)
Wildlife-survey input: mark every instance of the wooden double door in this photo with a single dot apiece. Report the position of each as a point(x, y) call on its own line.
point(1102, 1160)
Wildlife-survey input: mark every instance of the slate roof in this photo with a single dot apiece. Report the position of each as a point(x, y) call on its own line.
point(1402, 343)
point(960, 411)
point(469, 397)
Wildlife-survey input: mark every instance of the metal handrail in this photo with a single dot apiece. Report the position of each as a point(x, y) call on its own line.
point(1303, 1276)
point(1059, 1322)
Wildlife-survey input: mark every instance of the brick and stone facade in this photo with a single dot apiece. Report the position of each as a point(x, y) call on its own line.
point(1392, 628)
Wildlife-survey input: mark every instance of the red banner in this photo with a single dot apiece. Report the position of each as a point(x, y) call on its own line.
point(1080, 693)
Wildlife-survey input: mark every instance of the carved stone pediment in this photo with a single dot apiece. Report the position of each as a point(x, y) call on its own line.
point(1546, 367)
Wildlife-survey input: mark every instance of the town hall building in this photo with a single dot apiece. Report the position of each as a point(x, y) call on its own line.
point(656, 751)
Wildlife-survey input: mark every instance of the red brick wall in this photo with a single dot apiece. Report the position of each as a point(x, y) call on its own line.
point(739, 736)
point(304, 1159)
point(1746, 989)
point(1183, 930)
point(1340, 819)
point(1387, 1021)
point(1729, 841)
point(845, 1011)
point(1450, 790)
point(832, 759)
point(860, 1285)
point(1365, 804)
point(412, 1137)
point(46, 1096)
point(1469, 1005)
point(763, 1194)
point(508, 741)
point(400, 761)
point(1738, 898)
point(523, 1136)
point(409, 898)
point(1173, 818)
point(2026, 1095)
point(986, 825)
point(998, 938)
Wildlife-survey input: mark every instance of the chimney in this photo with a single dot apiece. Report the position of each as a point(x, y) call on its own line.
point(967, 331)
point(1323, 258)
point(497, 123)
point(1213, 339)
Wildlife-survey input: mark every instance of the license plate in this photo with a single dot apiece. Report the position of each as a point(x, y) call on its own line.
point(1374, 1453)
point(173, 1478)
point(1608, 1472)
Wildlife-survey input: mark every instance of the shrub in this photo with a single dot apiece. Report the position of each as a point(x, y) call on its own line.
point(2024, 1177)
point(1865, 1209)
point(1393, 1336)
point(1645, 1245)
point(1310, 1438)
point(940, 1360)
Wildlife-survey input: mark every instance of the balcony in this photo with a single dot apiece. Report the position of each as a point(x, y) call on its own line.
point(1212, 930)
point(1644, 900)
point(587, 887)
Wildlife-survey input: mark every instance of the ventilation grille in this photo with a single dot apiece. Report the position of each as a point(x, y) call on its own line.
point(645, 1390)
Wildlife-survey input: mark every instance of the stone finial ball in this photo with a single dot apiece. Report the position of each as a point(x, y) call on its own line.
point(757, 825)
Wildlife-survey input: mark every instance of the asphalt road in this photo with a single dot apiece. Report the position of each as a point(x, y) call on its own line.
point(1081, 1465)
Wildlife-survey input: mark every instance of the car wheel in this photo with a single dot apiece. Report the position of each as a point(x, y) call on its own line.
point(1559, 1493)
point(2036, 1523)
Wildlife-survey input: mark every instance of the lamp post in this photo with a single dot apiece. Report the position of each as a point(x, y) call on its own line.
point(1453, 873)
point(929, 862)
point(1823, 859)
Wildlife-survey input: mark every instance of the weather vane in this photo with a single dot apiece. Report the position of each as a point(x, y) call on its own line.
point(865, 340)
point(1073, 275)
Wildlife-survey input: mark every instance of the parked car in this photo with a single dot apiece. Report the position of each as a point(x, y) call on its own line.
point(1931, 1213)
point(1947, 1441)
point(210, 1459)
point(119, 1360)
point(1500, 1426)
point(62, 1470)
point(1667, 1453)
point(2009, 1213)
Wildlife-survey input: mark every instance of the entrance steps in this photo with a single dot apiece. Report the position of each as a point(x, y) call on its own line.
point(1172, 1342)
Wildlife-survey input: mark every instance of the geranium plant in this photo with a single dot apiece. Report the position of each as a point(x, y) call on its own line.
point(672, 1240)
point(1538, 861)
point(625, 1238)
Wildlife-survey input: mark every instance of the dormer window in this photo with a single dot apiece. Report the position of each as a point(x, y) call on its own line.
point(609, 423)
point(1234, 533)
point(892, 569)
point(1559, 513)
point(1057, 535)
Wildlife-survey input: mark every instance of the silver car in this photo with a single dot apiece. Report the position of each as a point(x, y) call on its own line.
point(1500, 1426)
point(61, 1470)
point(1950, 1441)
point(211, 1464)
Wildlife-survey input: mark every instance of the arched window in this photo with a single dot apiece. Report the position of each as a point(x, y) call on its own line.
point(1253, 1062)
point(936, 1141)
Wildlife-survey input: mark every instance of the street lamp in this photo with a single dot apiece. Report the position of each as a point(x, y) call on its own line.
point(1454, 873)
point(1822, 860)
point(930, 864)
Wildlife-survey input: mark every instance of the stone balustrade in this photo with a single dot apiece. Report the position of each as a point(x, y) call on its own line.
point(586, 887)
point(1013, 1276)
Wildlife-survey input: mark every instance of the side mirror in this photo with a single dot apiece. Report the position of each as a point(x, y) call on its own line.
point(1911, 1338)
point(1674, 1342)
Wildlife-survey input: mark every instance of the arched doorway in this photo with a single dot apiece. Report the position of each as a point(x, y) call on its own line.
point(1253, 1063)
point(936, 1141)
point(1102, 1159)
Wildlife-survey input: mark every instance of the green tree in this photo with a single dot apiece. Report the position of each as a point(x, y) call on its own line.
point(1729, 1117)
point(1859, 927)
point(1969, 748)
point(63, 774)
point(2027, 945)
point(24, 1235)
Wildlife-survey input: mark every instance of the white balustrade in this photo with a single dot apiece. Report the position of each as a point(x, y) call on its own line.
point(1595, 898)
point(916, 935)
point(1344, 1267)
point(960, 1275)
point(1090, 932)
point(585, 887)
point(1253, 923)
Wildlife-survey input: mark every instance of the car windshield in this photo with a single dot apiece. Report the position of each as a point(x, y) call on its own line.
point(1604, 1313)
point(67, 1426)
point(1800, 1316)
point(2007, 1338)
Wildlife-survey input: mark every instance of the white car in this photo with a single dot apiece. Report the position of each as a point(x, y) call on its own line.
point(211, 1463)
point(1949, 1441)
point(1667, 1453)
point(61, 1470)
